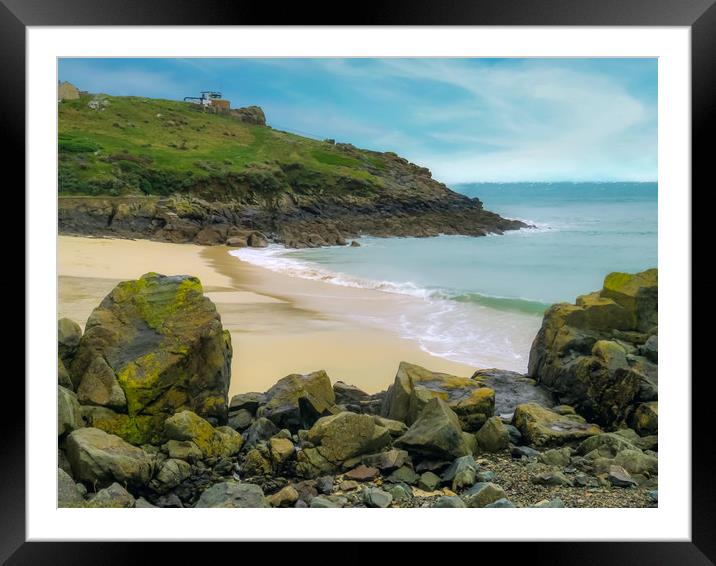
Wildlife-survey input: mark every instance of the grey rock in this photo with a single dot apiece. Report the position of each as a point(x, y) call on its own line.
point(374, 497)
point(501, 504)
point(232, 494)
point(428, 481)
point(114, 496)
point(482, 494)
point(68, 495)
point(240, 420)
point(449, 502)
point(69, 415)
point(404, 474)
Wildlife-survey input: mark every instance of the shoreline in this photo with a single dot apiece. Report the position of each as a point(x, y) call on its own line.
point(279, 324)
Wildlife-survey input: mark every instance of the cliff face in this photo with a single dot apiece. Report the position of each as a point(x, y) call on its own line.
point(165, 170)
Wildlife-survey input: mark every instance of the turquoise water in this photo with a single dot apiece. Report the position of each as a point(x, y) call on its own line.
point(487, 294)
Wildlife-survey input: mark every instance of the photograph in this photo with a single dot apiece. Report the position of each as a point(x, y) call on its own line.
point(357, 282)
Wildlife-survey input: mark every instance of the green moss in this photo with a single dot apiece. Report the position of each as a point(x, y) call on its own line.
point(135, 429)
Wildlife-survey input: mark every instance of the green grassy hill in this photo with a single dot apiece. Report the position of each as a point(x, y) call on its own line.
point(133, 146)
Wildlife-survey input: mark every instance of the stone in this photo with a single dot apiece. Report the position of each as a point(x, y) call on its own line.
point(404, 474)
point(324, 484)
point(552, 478)
point(501, 504)
point(415, 386)
point(69, 334)
point(524, 452)
point(388, 460)
point(63, 376)
point(241, 420)
point(348, 485)
point(69, 415)
point(260, 430)
point(323, 502)
point(298, 401)
point(135, 429)
point(428, 481)
point(99, 386)
point(362, 473)
point(355, 244)
point(449, 502)
point(558, 457)
point(493, 436)
point(68, 495)
point(236, 242)
point(183, 450)
point(436, 433)
point(514, 432)
point(224, 466)
point(164, 341)
point(281, 450)
point(231, 494)
point(646, 418)
point(256, 464)
point(650, 349)
point(142, 503)
point(170, 500)
point(213, 442)
point(549, 503)
point(374, 497)
point(171, 473)
point(310, 463)
point(637, 462)
point(482, 494)
point(619, 477)
point(285, 497)
point(346, 394)
point(114, 496)
point(512, 389)
point(396, 428)
point(485, 476)
point(62, 461)
point(608, 445)
point(400, 492)
point(247, 401)
point(462, 473)
point(347, 435)
point(98, 458)
point(542, 427)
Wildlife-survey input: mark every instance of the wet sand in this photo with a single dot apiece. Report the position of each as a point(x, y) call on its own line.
point(279, 324)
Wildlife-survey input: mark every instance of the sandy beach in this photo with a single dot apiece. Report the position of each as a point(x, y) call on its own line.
point(279, 324)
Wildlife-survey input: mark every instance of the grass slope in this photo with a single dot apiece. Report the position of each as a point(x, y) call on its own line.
point(132, 146)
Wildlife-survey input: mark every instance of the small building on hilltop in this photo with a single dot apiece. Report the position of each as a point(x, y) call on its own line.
point(67, 91)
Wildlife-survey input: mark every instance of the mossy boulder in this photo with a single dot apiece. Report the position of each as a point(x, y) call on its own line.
point(69, 414)
point(347, 435)
point(98, 458)
point(586, 353)
point(542, 427)
point(607, 445)
point(135, 429)
point(297, 401)
point(414, 386)
point(493, 436)
point(163, 341)
point(436, 433)
point(213, 442)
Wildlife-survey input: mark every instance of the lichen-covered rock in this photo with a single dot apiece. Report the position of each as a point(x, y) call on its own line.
point(213, 442)
point(493, 436)
point(542, 427)
point(310, 463)
point(347, 435)
point(285, 497)
point(482, 494)
point(171, 473)
point(63, 376)
point(99, 386)
point(231, 494)
point(281, 450)
point(586, 353)
point(183, 450)
point(164, 342)
point(98, 458)
point(414, 386)
point(607, 445)
point(297, 401)
point(69, 415)
point(135, 429)
point(436, 433)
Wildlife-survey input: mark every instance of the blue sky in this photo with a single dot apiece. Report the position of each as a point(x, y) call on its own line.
point(468, 120)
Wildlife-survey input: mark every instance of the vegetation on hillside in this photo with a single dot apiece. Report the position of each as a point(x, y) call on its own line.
point(139, 146)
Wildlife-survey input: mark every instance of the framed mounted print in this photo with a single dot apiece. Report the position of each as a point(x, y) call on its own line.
point(405, 271)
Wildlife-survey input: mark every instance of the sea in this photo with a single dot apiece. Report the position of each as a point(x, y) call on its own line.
point(482, 299)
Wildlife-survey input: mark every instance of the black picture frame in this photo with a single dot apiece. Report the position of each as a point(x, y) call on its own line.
point(699, 15)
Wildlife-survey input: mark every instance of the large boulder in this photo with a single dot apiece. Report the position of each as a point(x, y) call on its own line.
point(587, 353)
point(436, 433)
point(135, 429)
point(163, 341)
point(347, 435)
point(232, 495)
point(414, 386)
point(98, 458)
point(542, 427)
point(297, 401)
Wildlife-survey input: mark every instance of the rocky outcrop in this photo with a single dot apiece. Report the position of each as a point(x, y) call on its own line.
point(153, 347)
point(599, 354)
point(414, 386)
